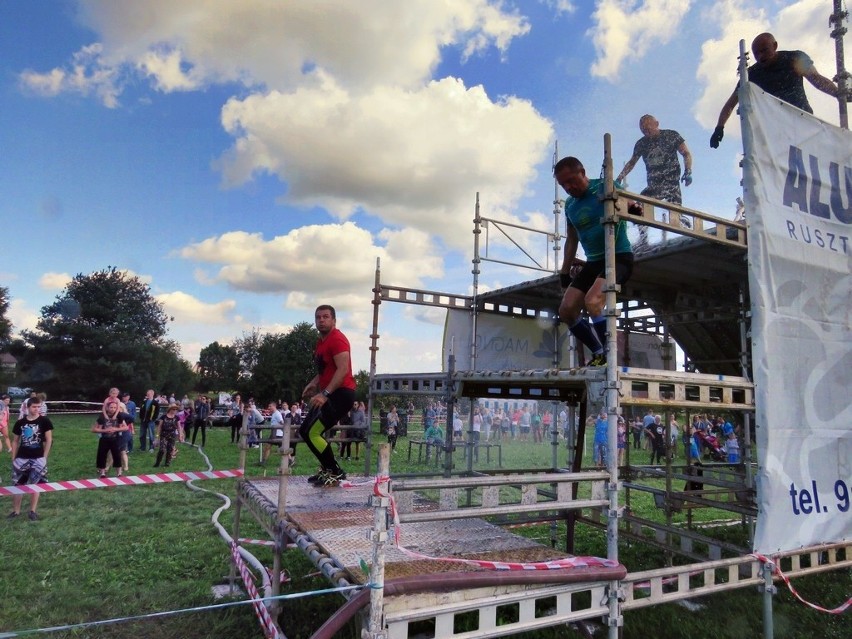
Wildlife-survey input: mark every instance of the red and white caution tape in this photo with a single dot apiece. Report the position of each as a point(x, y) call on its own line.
point(348, 483)
point(256, 542)
point(270, 630)
point(777, 571)
point(555, 564)
point(107, 482)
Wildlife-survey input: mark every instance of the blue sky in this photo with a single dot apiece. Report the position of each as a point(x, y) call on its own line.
point(251, 159)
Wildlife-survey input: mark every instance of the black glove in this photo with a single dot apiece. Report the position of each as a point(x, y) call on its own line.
point(718, 134)
point(565, 279)
point(687, 178)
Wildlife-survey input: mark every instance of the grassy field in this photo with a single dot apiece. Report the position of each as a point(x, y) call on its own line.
point(119, 552)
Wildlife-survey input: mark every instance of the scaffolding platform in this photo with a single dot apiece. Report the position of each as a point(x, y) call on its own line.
point(333, 525)
point(639, 386)
point(337, 521)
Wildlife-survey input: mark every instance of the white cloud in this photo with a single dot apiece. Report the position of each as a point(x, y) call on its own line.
point(427, 314)
point(51, 281)
point(382, 135)
point(624, 30)
point(717, 69)
point(188, 309)
point(560, 6)
point(318, 260)
point(54, 281)
point(415, 158)
point(86, 74)
point(166, 68)
point(191, 351)
point(400, 352)
point(21, 316)
point(273, 43)
point(801, 25)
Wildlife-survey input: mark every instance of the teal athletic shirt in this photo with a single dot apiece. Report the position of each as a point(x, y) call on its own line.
point(585, 215)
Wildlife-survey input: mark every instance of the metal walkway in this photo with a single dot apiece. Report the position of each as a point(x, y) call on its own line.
point(638, 386)
point(333, 525)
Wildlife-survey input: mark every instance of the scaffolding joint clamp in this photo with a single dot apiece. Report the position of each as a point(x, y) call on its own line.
point(377, 535)
point(615, 622)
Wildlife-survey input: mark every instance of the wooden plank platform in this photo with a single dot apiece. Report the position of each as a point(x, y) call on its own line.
point(338, 521)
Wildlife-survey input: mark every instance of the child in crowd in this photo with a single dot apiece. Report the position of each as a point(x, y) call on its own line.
point(393, 427)
point(111, 397)
point(732, 448)
point(184, 417)
point(622, 440)
point(458, 426)
point(4, 422)
point(167, 432)
point(434, 436)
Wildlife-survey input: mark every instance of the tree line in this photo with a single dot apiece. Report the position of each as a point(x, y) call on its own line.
point(106, 329)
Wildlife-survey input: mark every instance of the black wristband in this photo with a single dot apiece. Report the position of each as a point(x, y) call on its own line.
point(326, 393)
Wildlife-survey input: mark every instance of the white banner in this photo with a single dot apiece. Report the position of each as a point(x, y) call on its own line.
point(798, 195)
point(506, 343)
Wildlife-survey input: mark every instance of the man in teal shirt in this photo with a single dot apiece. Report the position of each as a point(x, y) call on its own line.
point(584, 212)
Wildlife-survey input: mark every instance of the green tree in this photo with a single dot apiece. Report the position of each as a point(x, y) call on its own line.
point(299, 351)
point(5, 333)
point(268, 376)
point(173, 373)
point(248, 347)
point(362, 386)
point(105, 329)
point(218, 367)
point(5, 323)
point(284, 364)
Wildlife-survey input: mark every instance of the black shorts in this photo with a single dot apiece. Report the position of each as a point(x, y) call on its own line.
point(595, 269)
point(339, 403)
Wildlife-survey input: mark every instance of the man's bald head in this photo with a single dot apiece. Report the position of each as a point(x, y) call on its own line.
point(649, 125)
point(764, 47)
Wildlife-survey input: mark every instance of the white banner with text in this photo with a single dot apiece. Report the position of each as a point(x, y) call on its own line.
point(798, 195)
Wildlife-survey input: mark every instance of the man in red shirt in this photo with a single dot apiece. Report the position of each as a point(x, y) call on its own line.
point(330, 395)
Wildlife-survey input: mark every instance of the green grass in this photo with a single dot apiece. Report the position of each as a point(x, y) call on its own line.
point(115, 552)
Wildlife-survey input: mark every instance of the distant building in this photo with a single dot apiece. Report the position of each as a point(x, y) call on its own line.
point(8, 363)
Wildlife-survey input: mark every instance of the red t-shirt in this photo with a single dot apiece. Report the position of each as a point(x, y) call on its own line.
point(332, 344)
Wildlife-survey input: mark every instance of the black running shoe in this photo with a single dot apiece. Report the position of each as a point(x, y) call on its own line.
point(319, 478)
point(598, 360)
point(334, 479)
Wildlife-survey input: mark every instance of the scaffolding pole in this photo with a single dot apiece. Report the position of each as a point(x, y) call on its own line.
point(836, 19)
point(374, 349)
point(610, 223)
